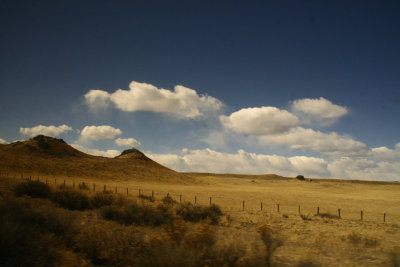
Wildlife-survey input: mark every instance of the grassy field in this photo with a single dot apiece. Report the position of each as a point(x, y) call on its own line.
point(304, 238)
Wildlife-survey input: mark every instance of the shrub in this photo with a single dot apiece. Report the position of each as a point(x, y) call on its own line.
point(168, 200)
point(196, 213)
point(72, 200)
point(328, 215)
point(33, 189)
point(100, 200)
point(137, 214)
point(300, 177)
point(270, 241)
point(83, 186)
point(145, 197)
point(28, 230)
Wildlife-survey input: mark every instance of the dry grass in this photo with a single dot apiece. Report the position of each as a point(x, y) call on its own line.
point(308, 239)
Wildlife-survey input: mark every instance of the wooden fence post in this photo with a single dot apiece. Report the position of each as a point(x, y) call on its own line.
point(243, 204)
point(64, 182)
point(210, 201)
point(299, 210)
point(362, 216)
point(94, 187)
point(127, 192)
point(339, 213)
point(195, 199)
point(116, 190)
point(140, 192)
point(180, 198)
point(152, 193)
point(317, 211)
point(384, 217)
point(55, 181)
point(261, 206)
point(278, 207)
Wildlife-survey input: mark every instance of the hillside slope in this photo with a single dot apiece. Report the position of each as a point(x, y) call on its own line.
point(49, 156)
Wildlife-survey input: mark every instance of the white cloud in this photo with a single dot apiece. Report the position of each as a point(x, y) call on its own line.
point(260, 121)
point(127, 142)
point(182, 102)
point(331, 144)
point(3, 142)
point(95, 152)
point(386, 154)
point(320, 110)
point(45, 130)
point(208, 160)
point(364, 169)
point(100, 132)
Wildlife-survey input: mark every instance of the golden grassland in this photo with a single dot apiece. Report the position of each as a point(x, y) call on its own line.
point(323, 240)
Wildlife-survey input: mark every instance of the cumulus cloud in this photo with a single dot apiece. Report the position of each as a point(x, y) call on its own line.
point(331, 144)
point(45, 130)
point(127, 142)
point(182, 102)
point(208, 160)
point(386, 154)
point(95, 152)
point(318, 109)
point(100, 132)
point(260, 121)
point(3, 142)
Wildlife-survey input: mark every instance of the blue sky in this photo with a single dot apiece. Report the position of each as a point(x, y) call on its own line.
point(310, 87)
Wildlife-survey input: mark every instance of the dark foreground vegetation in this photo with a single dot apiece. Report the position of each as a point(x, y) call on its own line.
point(41, 226)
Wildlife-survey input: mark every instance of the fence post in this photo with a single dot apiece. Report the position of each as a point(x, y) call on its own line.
point(180, 198)
point(210, 201)
point(299, 210)
point(127, 191)
point(384, 217)
point(339, 213)
point(243, 204)
point(278, 207)
point(195, 199)
point(152, 193)
point(94, 187)
point(362, 215)
point(55, 181)
point(261, 206)
point(317, 211)
point(115, 189)
point(64, 182)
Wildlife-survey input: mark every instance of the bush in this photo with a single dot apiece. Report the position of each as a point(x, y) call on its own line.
point(33, 189)
point(72, 200)
point(83, 186)
point(300, 177)
point(196, 213)
point(137, 214)
point(168, 200)
point(100, 200)
point(270, 241)
point(145, 197)
point(28, 233)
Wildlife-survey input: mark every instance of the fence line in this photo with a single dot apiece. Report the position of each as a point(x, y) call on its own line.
point(181, 197)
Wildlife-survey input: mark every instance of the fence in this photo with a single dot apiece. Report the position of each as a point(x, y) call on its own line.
point(240, 207)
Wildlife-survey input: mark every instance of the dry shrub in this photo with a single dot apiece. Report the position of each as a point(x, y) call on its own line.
point(196, 213)
point(271, 242)
point(328, 216)
point(110, 244)
point(137, 214)
point(72, 200)
point(145, 197)
point(33, 189)
point(168, 200)
point(305, 217)
point(31, 233)
point(100, 200)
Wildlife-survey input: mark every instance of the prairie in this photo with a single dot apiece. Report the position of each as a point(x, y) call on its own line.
point(324, 240)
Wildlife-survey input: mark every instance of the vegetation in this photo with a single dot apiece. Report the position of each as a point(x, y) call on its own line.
point(33, 189)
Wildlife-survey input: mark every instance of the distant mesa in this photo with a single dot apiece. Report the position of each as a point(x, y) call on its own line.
point(132, 153)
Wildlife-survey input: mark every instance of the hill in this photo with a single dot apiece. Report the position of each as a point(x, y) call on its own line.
point(47, 156)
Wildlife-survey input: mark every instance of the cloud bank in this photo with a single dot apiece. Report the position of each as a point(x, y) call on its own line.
point(3, 142)
point(45, 130)
point(100, 132)
point(242, 162)
point(183, 102)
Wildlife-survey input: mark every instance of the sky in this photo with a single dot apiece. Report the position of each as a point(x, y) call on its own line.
point(253, 87)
